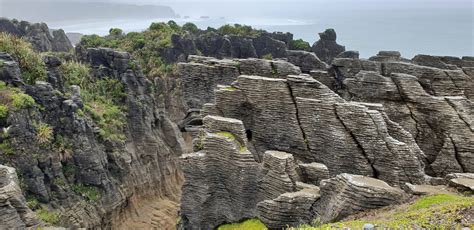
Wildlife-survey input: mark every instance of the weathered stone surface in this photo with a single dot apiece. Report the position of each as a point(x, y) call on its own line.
point(461, 181)
point(384, 56)
point(426, 189)
point(14, 213)
point(221, 179)
point(288, 209)
point(326, 47)
point(348, 194)
point(349, 54)
point(416, 102)
point(307, 61)
point(144, 164)
point(433, 61)
point(9, 70)
point(279, 175)
point(324, 128)
point(38, 34)
point(314, 172)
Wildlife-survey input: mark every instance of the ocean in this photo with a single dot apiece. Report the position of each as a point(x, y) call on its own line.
point(442, 29)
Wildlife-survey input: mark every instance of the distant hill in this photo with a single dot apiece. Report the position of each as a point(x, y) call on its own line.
point(61, 11)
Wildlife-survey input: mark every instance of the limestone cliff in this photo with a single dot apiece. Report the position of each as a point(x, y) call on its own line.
point(68, 161)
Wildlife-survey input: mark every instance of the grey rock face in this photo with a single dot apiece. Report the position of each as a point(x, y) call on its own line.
point(288, 209)
point(348, 194)
point(38, 34)
point(326, 47)
point(9, 70)
point(461, 181)
point(307, 61)
point(202, 75)
point(416, 97)
point(121, 172)
point(221, 179)
point(322, 127)
point(14, 212)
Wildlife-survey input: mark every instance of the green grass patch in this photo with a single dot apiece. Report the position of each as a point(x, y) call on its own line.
point(442, 211)
point(268, 57)
point(30, 62)
point(251, 224)
point(91, 193)
point(49, 217)
point(44, 133)
point(3, 112)
point(231, 136)
point(22, 101)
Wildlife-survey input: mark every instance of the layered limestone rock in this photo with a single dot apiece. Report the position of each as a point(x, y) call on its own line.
point(347, 194)
point(201, 76)
point(38, 34)
point(321, 127)
point(213, 44)
point(416, 97)
point(288, 209)
point(461, 181)
point(307, 61)
point(14, 213)
point(326, 47)
point(220, 179)
point(117, 173)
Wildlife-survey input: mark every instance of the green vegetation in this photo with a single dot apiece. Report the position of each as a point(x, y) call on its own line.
point(5, 148)
point(231, 136)
point(115, 32)
point(44, 133)
point(230, 88)
point(47, 216)
point(31, 65)
point(3, 112)
point(75, 73)
point(300, 44)
point(241, 30)
point(102, 102)
point(91, 193)
point(32, 203)
point(251, 224)
point(13, 99)
point(431, 212)
point(103, 99)
point(268, 57)
point(148, 46)
point(22, 101)
point(190, 27)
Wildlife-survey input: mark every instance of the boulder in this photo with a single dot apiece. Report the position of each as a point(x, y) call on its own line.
point(307, 61)
point(14, 212)
point(461, 181)
point(348, 194)
point(326, 47)
point(288, 209)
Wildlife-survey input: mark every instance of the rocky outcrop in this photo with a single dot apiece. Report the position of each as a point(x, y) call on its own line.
point(201, 75)
point(38, 34)
point(221, 178)
point(307, 61)
point(14, 212)
point(90, 178)
point(288, 209)
point(348, 194)
point(461, 181)
point(415, 97)
point(9, 70)
point(326, 47)
point(322, 127)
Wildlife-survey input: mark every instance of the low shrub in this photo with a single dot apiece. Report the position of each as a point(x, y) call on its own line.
point(30, 62)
